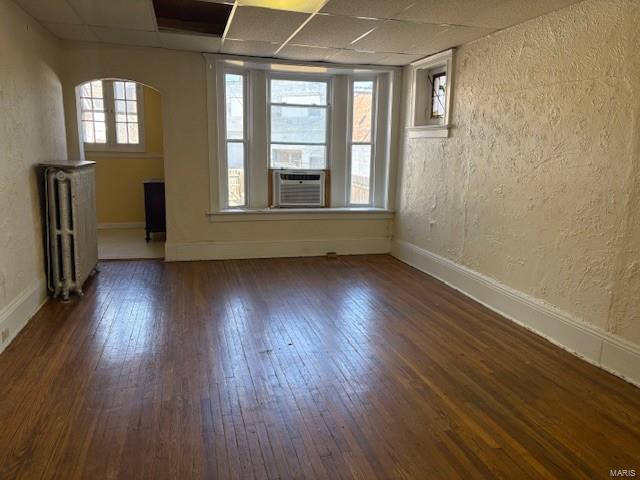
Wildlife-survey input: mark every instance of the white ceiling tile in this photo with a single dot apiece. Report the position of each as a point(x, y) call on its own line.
point(366, 8)
point(306, 53)
point(399, 37)
point(264, 25)
point(480, 13)
point(124, 14)
point(356, 57)
point(51, 11)
point(455, 36)
point(333, 31)
point(399, 59)
point(126, 37)
point(79, 33)
point(183, 41)
point(249, 47)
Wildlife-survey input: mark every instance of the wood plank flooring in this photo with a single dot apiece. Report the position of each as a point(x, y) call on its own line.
point(358, 367)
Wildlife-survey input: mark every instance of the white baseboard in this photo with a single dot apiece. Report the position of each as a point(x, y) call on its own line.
point(593, 344)
point(127, 225)
point(274, 248)
point(17, 314)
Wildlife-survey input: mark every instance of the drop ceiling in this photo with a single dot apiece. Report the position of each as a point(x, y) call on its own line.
point(378, 32)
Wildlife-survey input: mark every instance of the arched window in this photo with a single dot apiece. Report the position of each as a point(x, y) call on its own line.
point(111, 112)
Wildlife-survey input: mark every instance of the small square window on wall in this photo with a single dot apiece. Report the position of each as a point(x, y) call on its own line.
point(431, 84)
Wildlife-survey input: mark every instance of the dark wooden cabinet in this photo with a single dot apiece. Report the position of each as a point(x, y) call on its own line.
point(154, 213)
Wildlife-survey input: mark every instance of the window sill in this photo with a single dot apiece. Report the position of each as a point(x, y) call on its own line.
point(428, 131)
point(102, 154)
point(293, 214)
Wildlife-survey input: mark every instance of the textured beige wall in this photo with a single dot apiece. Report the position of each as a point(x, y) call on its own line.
point(180, 78)
point(537, 187)
point(31, 130)
point(120, 175)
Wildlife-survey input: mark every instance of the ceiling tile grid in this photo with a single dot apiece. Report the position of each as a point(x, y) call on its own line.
point(381, 32)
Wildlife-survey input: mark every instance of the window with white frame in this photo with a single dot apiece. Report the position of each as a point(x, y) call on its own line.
point(337, 120)
point(431, 95)
point(299, 117)
point(235, 138)
point(111, 114)
point(361, 144)
point(92, 113)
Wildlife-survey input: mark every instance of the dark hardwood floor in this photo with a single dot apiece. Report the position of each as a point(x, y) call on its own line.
point(359, 367)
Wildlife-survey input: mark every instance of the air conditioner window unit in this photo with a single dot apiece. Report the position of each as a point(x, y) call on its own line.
point(299, 188)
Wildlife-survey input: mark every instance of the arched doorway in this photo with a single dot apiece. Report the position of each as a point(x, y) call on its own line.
point(120, 123)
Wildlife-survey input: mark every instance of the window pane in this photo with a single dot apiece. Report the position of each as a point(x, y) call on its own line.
point(362, 111)
point(234, 97)
point(87, 128)
point(94, 128)
point(118, 90)
point(133, 133)
point(298, 124)
point(85, 90)
point(298, 156)
point(438, 95)
point(132, 107)
point(235, 174)
point(121, 133)
point(121, 106)
point(360, 173)
point(298, 92)
point(130, 88)
point(101, 132)
point(96, 89)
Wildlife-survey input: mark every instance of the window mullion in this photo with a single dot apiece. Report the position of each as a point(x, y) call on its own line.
point(109, 112)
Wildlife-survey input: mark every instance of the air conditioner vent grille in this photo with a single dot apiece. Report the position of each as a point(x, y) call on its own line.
point(298, 188)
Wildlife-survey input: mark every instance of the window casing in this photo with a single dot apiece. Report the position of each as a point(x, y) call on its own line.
point(111, 115)
point(235, 127)
point(362, 141)
point(327, 139)
point(299, 121)
point(431, 83)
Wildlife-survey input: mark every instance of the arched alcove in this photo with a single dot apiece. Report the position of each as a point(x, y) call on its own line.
point(120, 128)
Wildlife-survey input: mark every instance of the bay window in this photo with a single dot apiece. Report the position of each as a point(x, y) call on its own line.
point(272, 116)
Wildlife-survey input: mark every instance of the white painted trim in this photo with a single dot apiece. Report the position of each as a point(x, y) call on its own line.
point(440, 61)
point(428, 131)
point(123, 226)
point(176, 252)
point(111, 155)
point(586, 341)
point(435, 59)
point(17, 314)
point(289, 66)
point(289, 214)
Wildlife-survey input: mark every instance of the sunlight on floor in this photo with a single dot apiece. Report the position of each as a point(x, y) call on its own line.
point(127, 244)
